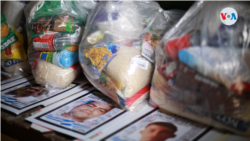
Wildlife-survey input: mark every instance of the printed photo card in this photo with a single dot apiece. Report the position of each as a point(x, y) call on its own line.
point(158, 126)
point(80, 115)
point(25, 96)
point(94, 116)
point(83, 114)
point(7, 80)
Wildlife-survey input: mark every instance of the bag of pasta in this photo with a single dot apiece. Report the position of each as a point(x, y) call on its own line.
point(55, 30)
point(202, 67)
point(111, 52)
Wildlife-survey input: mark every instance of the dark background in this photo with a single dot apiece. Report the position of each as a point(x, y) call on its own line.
point(181, 5)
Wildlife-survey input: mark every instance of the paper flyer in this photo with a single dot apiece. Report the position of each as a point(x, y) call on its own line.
point(25, 96)
point(74, 117)
point(8, 81)
point(80, 115)
point(158, 126)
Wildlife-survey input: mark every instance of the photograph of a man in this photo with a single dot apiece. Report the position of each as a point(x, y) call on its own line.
point(158, 131)
point(87, 110)
point(29, 90)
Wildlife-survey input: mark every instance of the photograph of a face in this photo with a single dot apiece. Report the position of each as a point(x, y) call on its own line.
point(29, 93)
point(84, 114)
point(158, 126)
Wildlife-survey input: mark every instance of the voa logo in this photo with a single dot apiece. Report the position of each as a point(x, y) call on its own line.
point(228, 16)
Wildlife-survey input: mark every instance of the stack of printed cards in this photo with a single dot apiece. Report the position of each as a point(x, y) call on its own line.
point(19, 94)
point(94, 116)
point(81, 111)
point(8, 81)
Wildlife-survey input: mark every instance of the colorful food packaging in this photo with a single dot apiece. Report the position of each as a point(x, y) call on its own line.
point(113, 52)
point(54, 30)
point(202, 68)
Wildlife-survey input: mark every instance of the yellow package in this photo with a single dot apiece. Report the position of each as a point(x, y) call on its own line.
point(16, 50)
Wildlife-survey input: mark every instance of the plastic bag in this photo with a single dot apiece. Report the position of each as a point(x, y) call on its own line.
point(11, 42)
point(15, 66)
point(55, 30)
point(53, 76)
point(47, 17)
point(202, 67)
point(111, 54)
point(65, 58)
point(13, 12)
point(13, 56)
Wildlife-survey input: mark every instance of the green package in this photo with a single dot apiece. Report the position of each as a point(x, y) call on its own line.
point(52, 8)
point(8, 36)
point(58, 23)
point(48, 14)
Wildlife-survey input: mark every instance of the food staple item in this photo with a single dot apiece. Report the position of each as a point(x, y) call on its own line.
point(202, 68)
point(13, 49)
point(54, 30)
point(53, 76)
point(113, 52)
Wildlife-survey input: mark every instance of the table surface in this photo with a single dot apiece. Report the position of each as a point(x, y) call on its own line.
point(16, 127)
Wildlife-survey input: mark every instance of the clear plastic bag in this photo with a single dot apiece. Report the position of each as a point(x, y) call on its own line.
point(111, 49)
point(203, 67)
point(52, 76)
point(55, 29)
point(64, 58)
point(13, 56)
point(15, 67)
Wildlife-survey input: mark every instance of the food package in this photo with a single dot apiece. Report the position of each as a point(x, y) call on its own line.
point(15, 50)
point(64, 58)
point(53, 76)
point(111, 52)
point(54, 30)
point(202, 67)
point(13, 56)
point(61, 16)
point(15, 66)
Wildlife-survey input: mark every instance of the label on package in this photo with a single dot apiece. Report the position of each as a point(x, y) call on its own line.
point(47, 56)
point(64, 58)
point(44, 42)
point(226, 120)
point(8, 36)
point(57, 23)
point(9, 63)
point(149, 44)
point(40, 45)
point(139, 62)
point(231, 122)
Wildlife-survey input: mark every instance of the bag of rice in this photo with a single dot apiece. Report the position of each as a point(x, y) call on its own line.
point(117, 51)
point(54, 30)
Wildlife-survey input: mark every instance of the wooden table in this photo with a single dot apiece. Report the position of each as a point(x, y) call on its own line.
point(16, 127)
